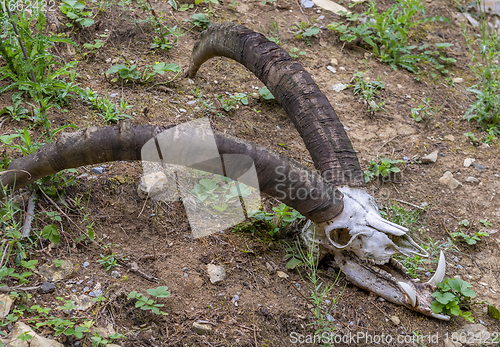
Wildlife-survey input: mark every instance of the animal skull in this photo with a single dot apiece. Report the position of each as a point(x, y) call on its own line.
point(364, 243)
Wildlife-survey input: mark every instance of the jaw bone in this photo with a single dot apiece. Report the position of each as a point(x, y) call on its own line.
point(391, 282)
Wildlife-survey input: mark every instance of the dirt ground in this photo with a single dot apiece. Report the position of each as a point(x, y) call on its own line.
point(156, 237)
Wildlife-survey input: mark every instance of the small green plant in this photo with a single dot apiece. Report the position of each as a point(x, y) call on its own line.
point(200, 20)
point(451, 296)
point(17, 112)
point(306, 31)
point(108, 111)
point(485, 54)
point(144, 303)
point(109, 261)
point(150, 71)
point(387, 35)
point(368, 91)
point(233, 101)
point(296, 52)
point(472, 138)
point(385, 169)
point(124, 71)
point(425, 111)
point(275, 33)
point(206, 104)
point(94, 47)
point(266, 94)
point(471, 240)
point(75, 10)
point(320, 295)
point(264, 2)
point(217, 193)
point(280, 220)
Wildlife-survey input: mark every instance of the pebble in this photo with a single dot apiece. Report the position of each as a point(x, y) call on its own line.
point(115, 274)
point(430, 158)
point(114, 95)
point(472, 180)
point(185, 269)
point(216, 273)
point(339, 87)
point(235, 299)
point(460, 266)
point(307, 3)
point(85, 264)
point(201, 329)
point(478, 166)
point(182, 110)
point(98, 170)
point(449, 138)
point(396, 320)
point(448, 180)
point(95, 293)
point(496, 175)
point(192, 102)
point(428, 274)
point(455, 259)
point(331, 68)
point(468, 162)
point(346, 129)
point(46, 287)
point(334, 62)
point(458, 80)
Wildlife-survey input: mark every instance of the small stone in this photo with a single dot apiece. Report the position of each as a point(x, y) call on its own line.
point(152, 184)
point(395, 320)
point(478, 166)
point(334, 62)
point(455, 259)
point(472, 180)
point(399, 86)
point(496, 175)
point(98, 170)
point(270, 268)
point(460, 266)
point(449, 181)
point(458, 80)
point(216, 273)
point(95, 293)
point(201, 329)
point(468, 162)
point(428, 274)
point(5, 304)
point(430, 158)
point(182, 110)
point(114, 95)
point(339, 87)
point(307, 3)
point(346, 129)
point(331, 68)
point(46, 287)
point(191, 102)
point(85, 264)
point(115, 274)
point(185, 269)
point(449, 138)
point(235, 299)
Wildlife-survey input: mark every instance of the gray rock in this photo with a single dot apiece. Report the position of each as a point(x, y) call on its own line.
point(85, 264)
point(5, 304)
point(95, 293)
point(115, 274)
point(472, 180)
point(395, 320)
point(216, 273)
point(478, 166)
point(428, 274)
point(496, 175)
point(307, 3)
point(21, 329)
point(430, 158)
point(185, 269)
point(449, 181)
point(468, 162)
point(46, 287)
point(201, 329)
point(98, 170)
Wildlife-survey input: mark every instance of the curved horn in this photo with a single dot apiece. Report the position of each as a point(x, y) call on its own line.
point(307, 107)
point(277, 175)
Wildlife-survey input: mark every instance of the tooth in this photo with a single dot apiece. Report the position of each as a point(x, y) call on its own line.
point(440, 316)
point(440, 271)
point(410, 292)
